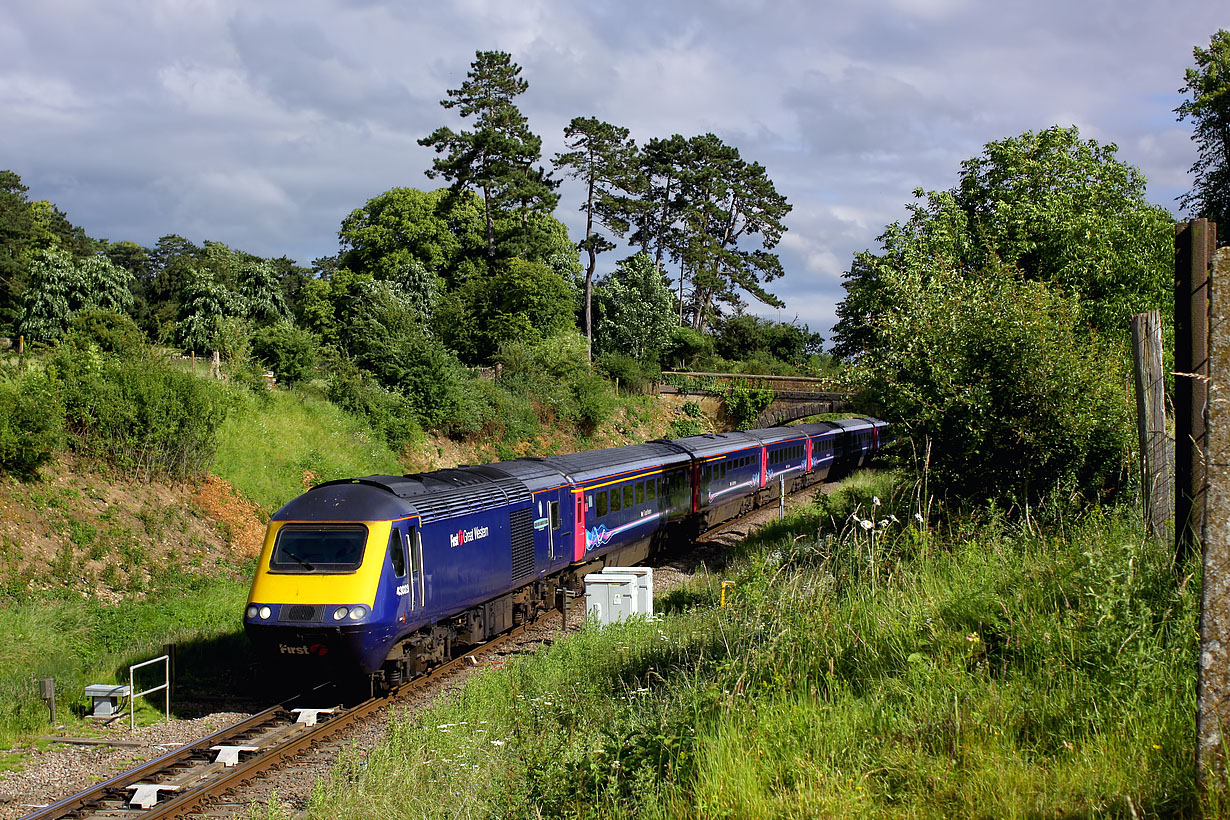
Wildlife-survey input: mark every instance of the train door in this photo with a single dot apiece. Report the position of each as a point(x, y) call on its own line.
point(764, 466)
point(807, 447)
point(578, 523)
point(551, 539)
point(413, 589)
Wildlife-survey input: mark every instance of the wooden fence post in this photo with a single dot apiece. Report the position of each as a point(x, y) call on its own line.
point(1151, 423)
point(1194, 243)
point(1213, 688)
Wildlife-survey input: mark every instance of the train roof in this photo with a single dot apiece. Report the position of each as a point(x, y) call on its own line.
point(712, 444)
point(434, 495)
point(589, 464)
point(772, 435)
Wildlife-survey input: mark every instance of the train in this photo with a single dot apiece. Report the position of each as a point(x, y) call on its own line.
point(385, 577)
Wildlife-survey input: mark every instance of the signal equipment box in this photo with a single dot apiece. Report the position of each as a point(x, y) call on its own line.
point(618, 593)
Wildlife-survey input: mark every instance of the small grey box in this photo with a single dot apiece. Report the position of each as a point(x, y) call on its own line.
point(644, 586)
point(610, 598)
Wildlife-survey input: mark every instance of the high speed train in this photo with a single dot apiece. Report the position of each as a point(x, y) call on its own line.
point(387, 576)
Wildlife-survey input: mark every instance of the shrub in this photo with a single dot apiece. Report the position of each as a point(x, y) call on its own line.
point(555, 374)
point(1015, 395)
point(632, 375)
point(390, 412)
point(290, 352)
point(138, 413)
point(744, 402)
point(31, 423)
point(112, 332)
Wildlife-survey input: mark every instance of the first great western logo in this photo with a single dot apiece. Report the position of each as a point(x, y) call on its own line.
point(462, 536)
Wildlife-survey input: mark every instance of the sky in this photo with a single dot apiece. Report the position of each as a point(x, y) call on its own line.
point(262, 124)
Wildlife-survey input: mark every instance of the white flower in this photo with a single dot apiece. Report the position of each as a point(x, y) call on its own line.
point(875, 501)
point(497, 743)
point(883, 523)
point(918, 517)
point(867, 524)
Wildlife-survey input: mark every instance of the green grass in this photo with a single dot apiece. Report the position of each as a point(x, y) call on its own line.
point(972, 669)
point(79, 641)
point(270, 448)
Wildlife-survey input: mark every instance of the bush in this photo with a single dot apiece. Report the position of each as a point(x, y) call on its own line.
point(1016, 397)
point(31, 424)
point(633, 375)
point(290, 352)
point(556, 375)
point(389, 412)
point(111, 332)
point(138, 413)
point(744, 402)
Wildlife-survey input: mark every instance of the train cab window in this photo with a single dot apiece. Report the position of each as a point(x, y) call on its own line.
point(628, 496)
point(600, 498)
point(640, 492)
point(397, 556)
point(556, 521)
point(318, 548)
point(616, 506)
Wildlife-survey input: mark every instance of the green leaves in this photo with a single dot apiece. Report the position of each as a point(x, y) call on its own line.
point(1208, 107)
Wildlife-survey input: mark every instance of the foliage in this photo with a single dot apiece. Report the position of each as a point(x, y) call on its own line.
point(1208, 107)
point(743, 336)
point(999, 377)
point(389, 412)
point(744, 402)
point(555, 373)
point(636, 310)
point(31, 423)
point(520, 301)
point(390, 341)
point(290, 352)
point(260, 291)
point(684, 346)
point(60, 287)
point(1061, 210)
point(495, 159)
point(205, 305)
point(138, 414)
point(629, 373)
point(111, 331)
point(404, 227)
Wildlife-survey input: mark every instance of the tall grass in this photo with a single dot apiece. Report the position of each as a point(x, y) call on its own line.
point(277, 445)
point(973, 669)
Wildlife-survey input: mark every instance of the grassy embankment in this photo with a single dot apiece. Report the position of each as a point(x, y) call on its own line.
point(267, 450)
point(976, 669)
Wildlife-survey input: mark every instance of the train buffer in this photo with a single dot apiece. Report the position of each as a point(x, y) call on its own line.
point(106, 697)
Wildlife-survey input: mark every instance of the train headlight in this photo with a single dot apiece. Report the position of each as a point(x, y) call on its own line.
point(251, 611)
point(340, 613)
point(357, 613)
point(264, 613)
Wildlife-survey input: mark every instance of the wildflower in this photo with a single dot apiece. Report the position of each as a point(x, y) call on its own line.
point(893, 518)
point(1156, 748)
point(867, 524)
point(875, 501)
point(497, 743)
point(883, 523)
point(918, 517)
point(972, 637)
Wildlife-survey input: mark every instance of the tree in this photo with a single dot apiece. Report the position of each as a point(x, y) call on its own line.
point(260, 290)
point(520, 300)
point(1054, 207)
point(1208, 107)
point(403, 225)
point(601, 156)
point(205, 305)
point(59, 288)
point(636, 310)
point(497, 158)
point(745, 337)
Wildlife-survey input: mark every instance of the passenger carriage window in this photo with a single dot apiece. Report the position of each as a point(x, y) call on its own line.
point(601, 498)
point(396, 556)
point(556, 521)
point(628, 496)
point(640, 492)
point(616, 506)
point(723, 469)
point(651, 489)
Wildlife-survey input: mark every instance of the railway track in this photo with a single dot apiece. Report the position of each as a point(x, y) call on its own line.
point(184, 782)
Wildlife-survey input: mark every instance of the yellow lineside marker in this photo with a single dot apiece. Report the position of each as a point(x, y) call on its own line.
point(724, 585)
